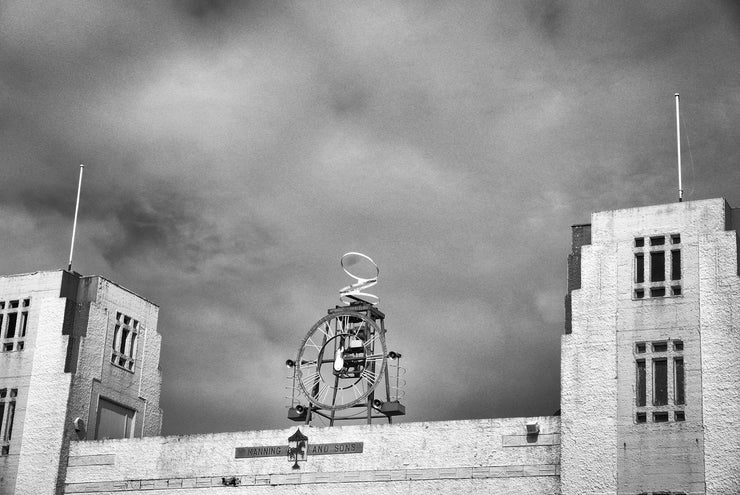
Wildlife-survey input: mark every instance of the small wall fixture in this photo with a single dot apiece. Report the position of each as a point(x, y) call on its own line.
point(79, 424)
point(533, 428)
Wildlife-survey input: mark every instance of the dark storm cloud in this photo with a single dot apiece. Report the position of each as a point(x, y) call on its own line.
point(234, 151)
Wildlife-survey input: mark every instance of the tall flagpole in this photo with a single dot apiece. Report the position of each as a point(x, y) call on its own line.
point(74, 225)
point(678, 145)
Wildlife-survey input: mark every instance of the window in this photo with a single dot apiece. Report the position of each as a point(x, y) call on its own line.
point(13, 324)
point(7, 413)
point(125, 336)
point(114, 420)
point(660, 381)
point(678, 379)
point(657, 266)
point(654, 265)
point(640, 267)
point(660, 416)
point(660, 346)
point(641, 384)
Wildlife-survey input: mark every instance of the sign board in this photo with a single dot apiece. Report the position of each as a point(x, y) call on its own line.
point(313, 449)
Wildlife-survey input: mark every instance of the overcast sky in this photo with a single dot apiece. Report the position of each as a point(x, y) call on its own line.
point(234, 151)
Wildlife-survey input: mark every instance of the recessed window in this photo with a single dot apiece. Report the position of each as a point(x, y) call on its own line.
point(657, 291)
point(114, 420)
point(660, 382)
point(641, 383)
point(664, 381)
point(660, 346)
point(639, 268)
point(675, 264)
point(10, 329)
point(641, 417)
point(13, 325)
point(657, 266)
point(7, 414)
point(679, 416)
point(660, 416)
point(125, 336)
point(653, 265)
point(678, 381)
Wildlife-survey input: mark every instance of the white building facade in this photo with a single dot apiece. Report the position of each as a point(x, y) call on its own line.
point(650, 389)
point(79, 360)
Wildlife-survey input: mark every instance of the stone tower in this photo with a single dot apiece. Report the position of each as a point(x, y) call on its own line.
point(650, 367)
point(79, 359)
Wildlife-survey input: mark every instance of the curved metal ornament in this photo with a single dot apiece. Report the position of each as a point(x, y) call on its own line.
point(354, 292)
point(341, 360)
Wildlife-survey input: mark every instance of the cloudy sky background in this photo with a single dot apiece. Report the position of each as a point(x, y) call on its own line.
point(235, 150)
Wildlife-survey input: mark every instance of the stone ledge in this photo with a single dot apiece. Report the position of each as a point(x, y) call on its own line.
point(383, 476)
point(91, 460)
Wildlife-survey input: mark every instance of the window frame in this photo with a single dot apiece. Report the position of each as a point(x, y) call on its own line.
point(129, 425)
point(657, 269)
point(125, 342)
point(8, 400)
point(667, 363)
point(14, 314)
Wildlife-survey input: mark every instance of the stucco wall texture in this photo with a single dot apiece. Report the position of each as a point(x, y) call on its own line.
point(43, 387)
point(64, 367)
point(605, 442)
point(476, 456)
point(604, 448)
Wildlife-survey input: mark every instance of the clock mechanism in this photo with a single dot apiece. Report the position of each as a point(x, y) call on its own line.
point(342, 368)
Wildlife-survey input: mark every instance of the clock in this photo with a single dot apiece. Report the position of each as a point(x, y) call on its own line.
point(341, 360)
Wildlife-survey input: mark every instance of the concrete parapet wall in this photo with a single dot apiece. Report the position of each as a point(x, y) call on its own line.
point(477, 456)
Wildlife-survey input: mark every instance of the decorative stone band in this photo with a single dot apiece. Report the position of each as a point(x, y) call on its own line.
point(380, 476)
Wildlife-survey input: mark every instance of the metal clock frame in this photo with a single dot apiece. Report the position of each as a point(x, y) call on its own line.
point(341, 360)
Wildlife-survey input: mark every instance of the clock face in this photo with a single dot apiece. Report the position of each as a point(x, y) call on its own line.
point(341, 360)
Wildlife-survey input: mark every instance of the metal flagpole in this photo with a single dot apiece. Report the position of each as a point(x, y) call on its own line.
point(678, 145)
point(74, 225)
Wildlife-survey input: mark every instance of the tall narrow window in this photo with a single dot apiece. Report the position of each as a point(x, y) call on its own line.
point(676, 264)
point(657, 266)
point(12, 320)
point(124, 342)
point(24, 324)
point(678, 378)
point(660, 382)
point(639, 268)
point(641, 385)
point(7, 413)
